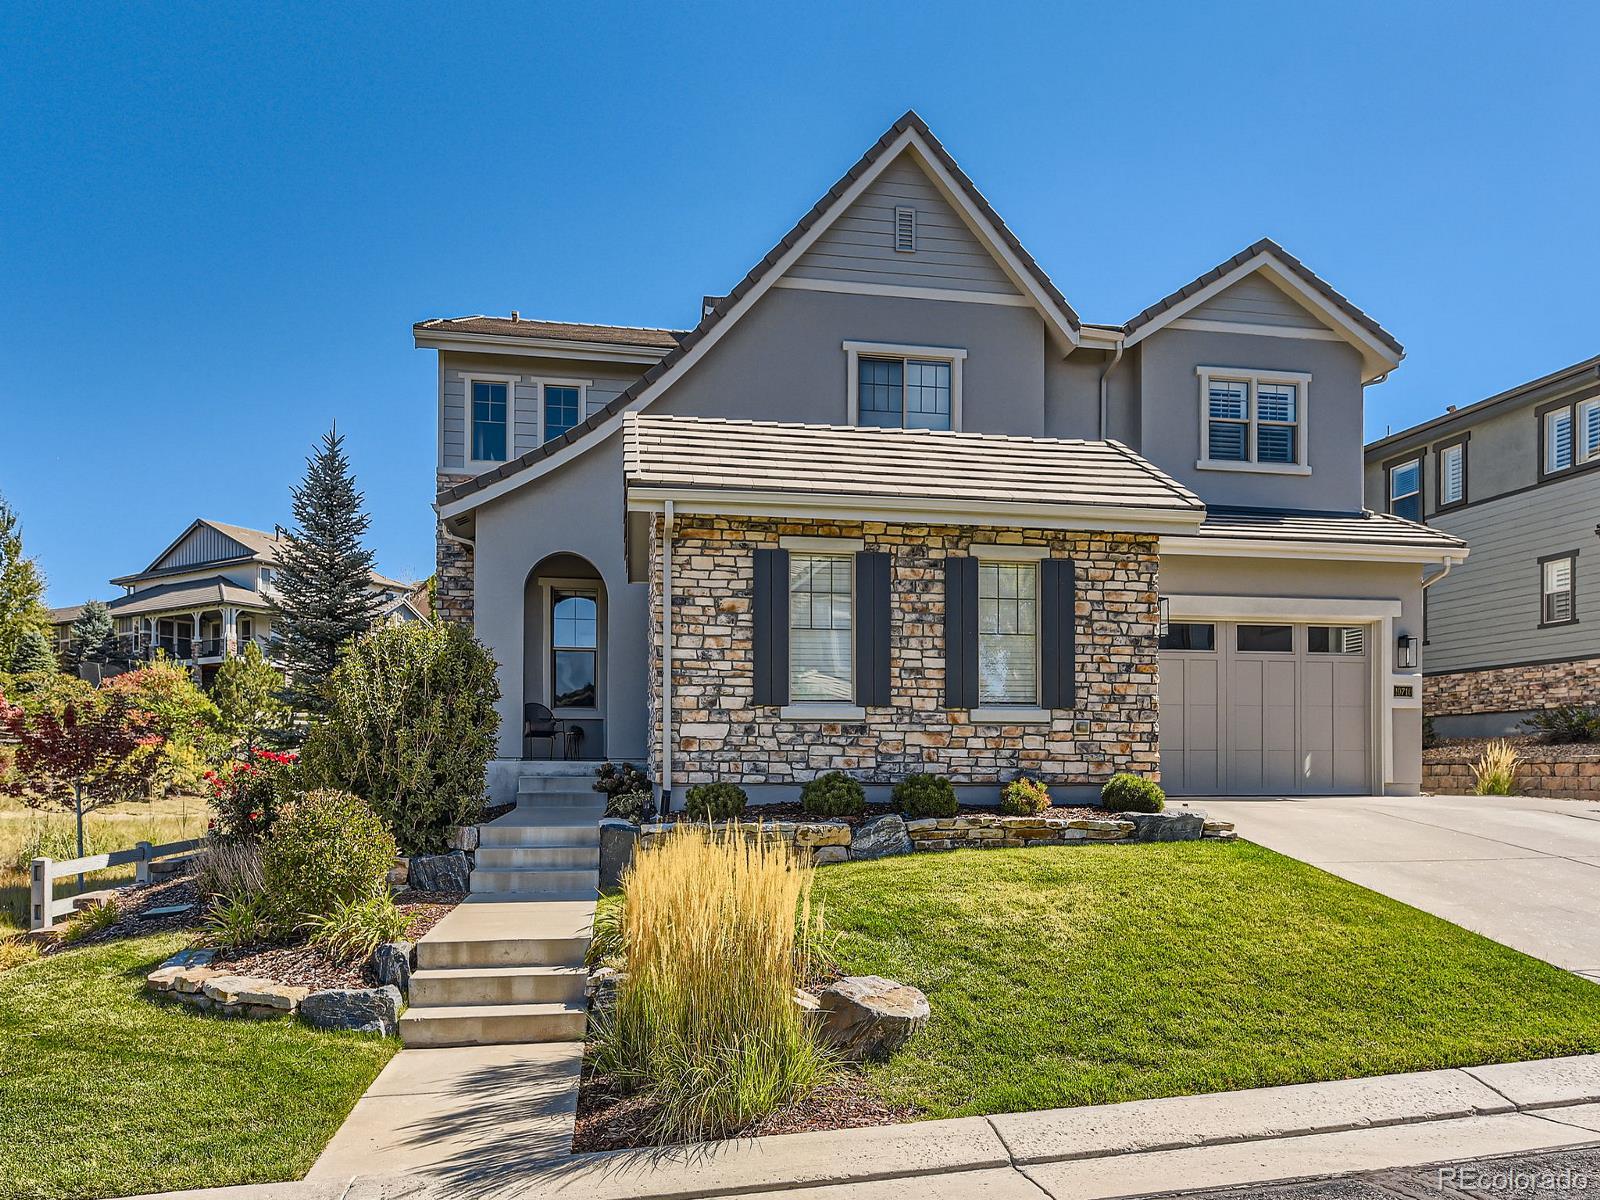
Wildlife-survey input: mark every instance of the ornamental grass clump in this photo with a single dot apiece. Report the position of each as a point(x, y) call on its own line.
point(1495, 772)
point(716, 926)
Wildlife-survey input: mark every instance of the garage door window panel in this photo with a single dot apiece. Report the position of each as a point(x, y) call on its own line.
point(1265, 639)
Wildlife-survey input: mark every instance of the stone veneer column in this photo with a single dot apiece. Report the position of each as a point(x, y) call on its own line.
point(453, 564)
point(719, 734)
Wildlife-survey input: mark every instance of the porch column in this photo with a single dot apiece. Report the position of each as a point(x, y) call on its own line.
point(668, 519)
point(230, 626)
point(194, 646)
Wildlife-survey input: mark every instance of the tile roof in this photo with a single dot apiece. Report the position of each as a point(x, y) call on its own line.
point(724, 304)
point(1303, 272)
point(701, 453)
point(566, 331)
point(195, 593)
point(1300, 525)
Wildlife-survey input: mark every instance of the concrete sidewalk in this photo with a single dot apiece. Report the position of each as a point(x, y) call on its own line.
point(1093, 1153)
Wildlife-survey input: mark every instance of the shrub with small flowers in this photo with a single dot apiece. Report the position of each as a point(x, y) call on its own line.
point(248, 793)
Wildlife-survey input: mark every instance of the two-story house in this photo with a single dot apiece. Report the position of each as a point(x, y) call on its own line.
point(892, 506)
point(207, 596)
point(1506, 635)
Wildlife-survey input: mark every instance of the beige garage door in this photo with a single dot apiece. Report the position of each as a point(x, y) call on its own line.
point(1266, 709)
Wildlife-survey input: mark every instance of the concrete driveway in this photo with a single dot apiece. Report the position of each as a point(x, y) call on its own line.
point(1523, 871)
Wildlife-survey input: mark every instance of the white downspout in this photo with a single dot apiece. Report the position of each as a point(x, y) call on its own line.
point(668, 519)
point(1105, 391)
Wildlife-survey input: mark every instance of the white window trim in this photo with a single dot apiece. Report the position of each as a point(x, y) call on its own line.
point(1442, 459)
point(467, 380)
point(1252, 378)
point(1574, 414)
point(854, 350)
point(547, 648)
point(825, 710)
point(1016, 714)
point(540, 382)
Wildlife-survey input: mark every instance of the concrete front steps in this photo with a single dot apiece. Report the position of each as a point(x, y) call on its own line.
point(506, 966)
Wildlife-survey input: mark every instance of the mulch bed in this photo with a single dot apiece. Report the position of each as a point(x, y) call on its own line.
point(610, 1120)
point(131, 901)
point(494, 812)
point(792, 811)
point(1528, 745)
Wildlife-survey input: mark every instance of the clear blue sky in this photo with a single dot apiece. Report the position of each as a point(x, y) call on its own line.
point(217, 223)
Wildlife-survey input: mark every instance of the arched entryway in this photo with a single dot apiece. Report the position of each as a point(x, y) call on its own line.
point(564, 659)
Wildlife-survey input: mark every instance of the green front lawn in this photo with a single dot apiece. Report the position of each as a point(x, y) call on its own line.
point(1094, 974)
point(104, 1093)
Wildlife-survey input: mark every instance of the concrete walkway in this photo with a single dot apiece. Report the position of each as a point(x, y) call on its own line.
point(1095, 1153)
point(1523, 871)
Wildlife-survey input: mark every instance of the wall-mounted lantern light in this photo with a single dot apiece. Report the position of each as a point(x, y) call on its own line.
point(1162, 615)
point(1405, 652)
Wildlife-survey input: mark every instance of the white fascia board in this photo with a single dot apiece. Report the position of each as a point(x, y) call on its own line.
point(1379, 358)
point(506, 344)
point(1283, 608)
point(1216, 547)
point(1022, 278)
point(912, 510)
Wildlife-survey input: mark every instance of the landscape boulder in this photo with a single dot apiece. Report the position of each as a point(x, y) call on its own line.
point(880, 838)
point(248, 996)
point(869, 1017)
point(440, 872)
point(462, 837)
point(618, 840)
point(365, 1010)
point(391, 963)
point(602, 988)
point(1169, 825)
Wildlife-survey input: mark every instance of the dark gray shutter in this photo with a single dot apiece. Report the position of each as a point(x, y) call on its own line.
point(770, 609)
point(1057, 633)
point(872, 629)
point(961, 633)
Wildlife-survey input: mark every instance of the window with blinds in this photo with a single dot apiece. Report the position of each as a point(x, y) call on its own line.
point(1008, 638)
point(1558, 440)
point(1452, 474)
point(819, 627)
point(1252, 418)
point(1405, 489)
point(1559, 600)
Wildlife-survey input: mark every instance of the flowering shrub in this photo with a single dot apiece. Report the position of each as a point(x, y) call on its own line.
point(248, 793)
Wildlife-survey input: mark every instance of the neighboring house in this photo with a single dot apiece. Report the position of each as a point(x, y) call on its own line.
point(208, 595)
point(914, 514)
point(1508, 633)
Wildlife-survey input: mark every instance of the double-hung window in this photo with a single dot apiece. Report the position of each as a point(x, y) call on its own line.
point(1008, 634)
point(490, 403)
point(574, 648)
point(904, 387)
point(1558, 589)
point(820, 604)
point(1253, 420)
point(1405, 489)
point(1570, 434)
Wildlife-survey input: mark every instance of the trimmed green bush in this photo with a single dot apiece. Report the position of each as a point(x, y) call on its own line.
point(1125, 792)
point(714, 801)
point(833, 795)
point(410, 728)
point(328, 848)
point(922, 795)
point(1024, 796)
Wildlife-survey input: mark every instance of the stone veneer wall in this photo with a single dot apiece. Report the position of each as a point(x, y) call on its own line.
point(1557, 772)
point(721, 735)
point(452, 592)
point(1512, 689)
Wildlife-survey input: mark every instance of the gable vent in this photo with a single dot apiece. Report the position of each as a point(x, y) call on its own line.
point(905, 229)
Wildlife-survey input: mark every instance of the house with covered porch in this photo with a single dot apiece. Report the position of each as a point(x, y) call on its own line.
point(891, 505)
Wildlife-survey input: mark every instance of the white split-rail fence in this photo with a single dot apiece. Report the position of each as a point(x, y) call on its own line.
point(44, 908)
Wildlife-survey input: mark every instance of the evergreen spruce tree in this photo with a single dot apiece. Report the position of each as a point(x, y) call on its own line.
point(33, 653)
point(21, 588)
point(94, 638)
point(246, 692)
point(323, 578)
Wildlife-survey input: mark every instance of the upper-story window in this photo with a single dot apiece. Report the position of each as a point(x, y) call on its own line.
point(1253, 420)
point(563, 405)
point(1405, 489)
point(1451, 465)
point(904, 387)
point(491, 407)
point(1570, 434)
point(266, 578)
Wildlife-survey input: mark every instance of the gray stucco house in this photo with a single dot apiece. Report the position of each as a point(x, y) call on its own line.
point(914, 513)
point(1507, 634)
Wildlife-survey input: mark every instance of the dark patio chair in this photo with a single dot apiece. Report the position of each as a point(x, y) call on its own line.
point(539, 723)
